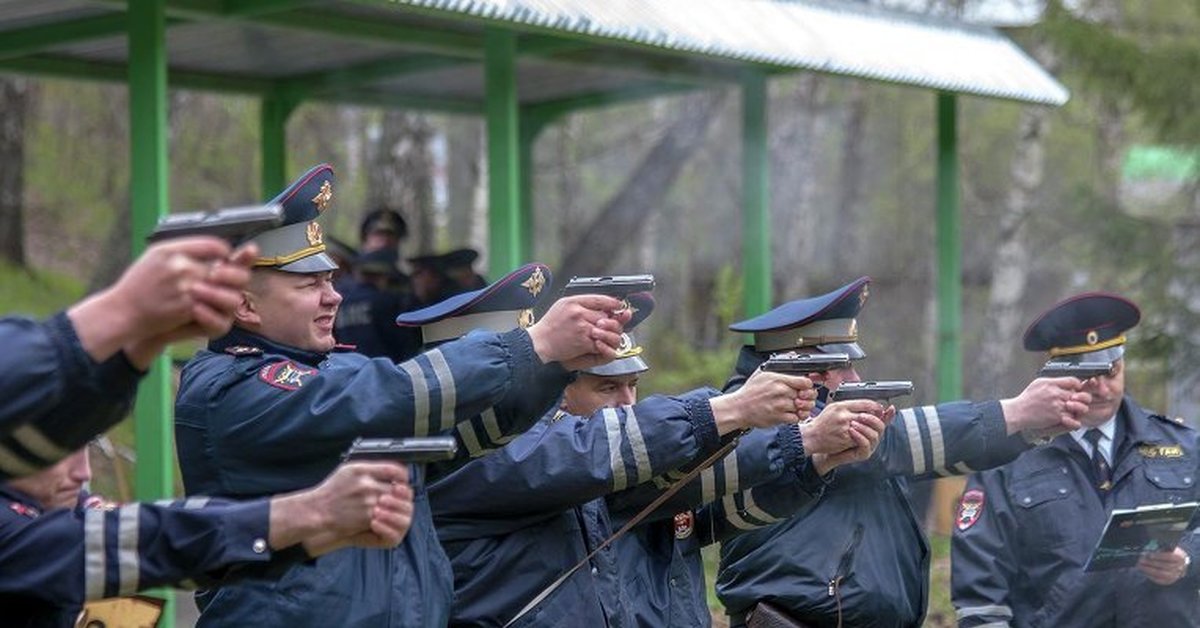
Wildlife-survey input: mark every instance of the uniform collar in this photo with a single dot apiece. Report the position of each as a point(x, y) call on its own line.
point(241, 337)
point(33, 508)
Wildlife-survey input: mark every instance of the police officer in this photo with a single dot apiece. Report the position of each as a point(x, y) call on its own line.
point(72, 376)
point(533, 508)
point(272, 405)
point(1025, 531)
point(659, 559)
point(60, 546)
point(858, 556)
point(367, 315)
point(382, 229)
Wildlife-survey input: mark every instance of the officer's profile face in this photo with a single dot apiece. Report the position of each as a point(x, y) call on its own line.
point(294, 309)
point(589, 393)
point(1106, 391)
point(57, 486)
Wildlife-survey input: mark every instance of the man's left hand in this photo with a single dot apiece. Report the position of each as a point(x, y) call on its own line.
point(1165, 568)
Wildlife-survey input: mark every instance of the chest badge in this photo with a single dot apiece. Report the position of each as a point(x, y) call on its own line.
point(969, 509)
point(684, 524)
point(286, 375)
point(23, 510)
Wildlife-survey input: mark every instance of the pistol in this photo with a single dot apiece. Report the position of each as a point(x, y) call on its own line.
point(792, 363)
point(1080, 370)
point(413, 449)
point(882, 392)
point(234, 224)
point(616, 286)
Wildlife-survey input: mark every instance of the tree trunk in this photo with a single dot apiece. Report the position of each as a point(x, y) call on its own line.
point(644, 192)
point(465, 145)
point(850, 178)
point(1012, 261)
point(401, 175)
point(14, 98)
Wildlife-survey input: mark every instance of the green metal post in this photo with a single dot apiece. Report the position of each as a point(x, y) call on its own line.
point(274, 114)
point(504, 162)
point(949, 252)
point(148, 185)
point(532, 126)
point(756, 210)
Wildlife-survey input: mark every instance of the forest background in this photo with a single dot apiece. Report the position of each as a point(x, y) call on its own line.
point(1101, 194)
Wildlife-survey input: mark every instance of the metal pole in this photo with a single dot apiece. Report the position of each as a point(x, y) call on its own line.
point(756, 210)
point(949, 252)
point(274, 114)
point(503, 137)
point(148, 184)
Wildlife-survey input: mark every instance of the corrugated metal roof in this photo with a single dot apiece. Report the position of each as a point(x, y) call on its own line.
point(837, 38)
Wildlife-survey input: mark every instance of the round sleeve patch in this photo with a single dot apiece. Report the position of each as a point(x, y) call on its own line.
point(286, 374)
point(970, 508)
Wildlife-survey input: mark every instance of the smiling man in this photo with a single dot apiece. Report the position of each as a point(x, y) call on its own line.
point(271, 406)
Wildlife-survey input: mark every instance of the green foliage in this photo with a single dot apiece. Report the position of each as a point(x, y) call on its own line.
point(36, 293)
point(678, 364)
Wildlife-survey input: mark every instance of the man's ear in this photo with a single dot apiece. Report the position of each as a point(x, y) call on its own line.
point(246, 313)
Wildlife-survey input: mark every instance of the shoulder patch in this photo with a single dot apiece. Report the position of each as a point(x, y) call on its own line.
point(684, 524)
point(240, 350)
point(23, 510)
point(969, 509)
point(286, 374)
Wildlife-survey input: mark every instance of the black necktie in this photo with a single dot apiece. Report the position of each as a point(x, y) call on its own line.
point(1099, 464)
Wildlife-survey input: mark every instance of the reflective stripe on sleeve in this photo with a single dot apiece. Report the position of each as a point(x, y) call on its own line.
point(915, 447)
point(420, 393)
point(93, 554)
point(612, 427)
point(441, 370)
point(638, 445)
point(128, 563)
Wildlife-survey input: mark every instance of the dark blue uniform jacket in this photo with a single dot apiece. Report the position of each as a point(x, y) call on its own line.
point(1019, 561)
point(860, 548)
point(55, 396)
point(514, 521)
point(254, 417)
point(51, 563)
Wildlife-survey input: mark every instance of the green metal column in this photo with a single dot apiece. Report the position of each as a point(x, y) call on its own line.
point(504, 161)
point(274, 114)
point(949, 252)
point(148, 185)
point(756, 205)
point(531, 127)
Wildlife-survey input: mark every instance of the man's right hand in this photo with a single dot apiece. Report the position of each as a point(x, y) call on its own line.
point(765, 400)
point(580, 331)
point(178, 288)
point(368, 504)
point(1047, 407)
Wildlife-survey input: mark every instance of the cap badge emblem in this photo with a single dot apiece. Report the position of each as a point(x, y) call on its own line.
point(535, 283)
point(1093, 337)
point(525, 319)
point(321, 200)
point(313, 231)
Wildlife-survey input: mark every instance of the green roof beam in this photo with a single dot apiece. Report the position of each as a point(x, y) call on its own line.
point(252, 8)
point(382, 99)
point(99, 71)
point(549, 110)
point(34, 39)
point(336, 80)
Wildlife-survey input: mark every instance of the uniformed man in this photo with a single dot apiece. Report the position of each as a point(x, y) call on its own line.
point(534, 507)
point(1025, 531)
point(459, 265)
point(382, 230)
point(659, 559)
point(367, 315)
point(858, 557)
point(272, 405)
point(72, 376)
point(61, 547)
